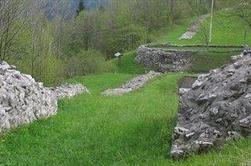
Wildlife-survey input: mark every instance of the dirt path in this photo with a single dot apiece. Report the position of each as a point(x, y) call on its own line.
point(194, 28)
point(131, 85)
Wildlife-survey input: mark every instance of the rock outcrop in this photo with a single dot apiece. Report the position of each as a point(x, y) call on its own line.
point(131, 85)
point(217, 108)
point(23, 100)
point(163, 60)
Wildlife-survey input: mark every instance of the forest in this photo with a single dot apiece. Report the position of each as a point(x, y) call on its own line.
point(54, 41)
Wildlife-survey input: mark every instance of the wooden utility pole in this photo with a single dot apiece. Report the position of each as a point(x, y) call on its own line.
point(211, 22)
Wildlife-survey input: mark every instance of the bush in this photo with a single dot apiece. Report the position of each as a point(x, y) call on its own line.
point(86, 62)
point(52, 70)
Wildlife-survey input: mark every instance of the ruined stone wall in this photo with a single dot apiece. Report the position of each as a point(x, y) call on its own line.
point(175, 58)
point(215, 109)
point(162, 60)
point(23, 100)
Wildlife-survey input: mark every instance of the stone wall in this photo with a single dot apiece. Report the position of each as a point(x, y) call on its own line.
point(68, 90)
point(162, 60)
point(23, 100)
point(215, 109)
point(132, 85)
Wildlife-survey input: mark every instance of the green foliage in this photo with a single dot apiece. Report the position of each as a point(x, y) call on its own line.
point(134, 129)
point(52, 70)
point(120, 26)
point(243, 10)
point(123, 25)
point(86, 62)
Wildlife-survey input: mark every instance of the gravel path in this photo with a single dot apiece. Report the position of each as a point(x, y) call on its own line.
point(131, 85)
point(194, 28)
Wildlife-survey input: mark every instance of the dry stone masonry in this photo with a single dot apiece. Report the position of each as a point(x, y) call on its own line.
point(68, 90)
point(162, 60)
point(23, 100)
point(132, 85)
point(216, 109)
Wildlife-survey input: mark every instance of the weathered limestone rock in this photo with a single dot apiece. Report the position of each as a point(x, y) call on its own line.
point(132, 85)
point(215, 109)
point(68, 90)
point(163, 60)
point(22, 100)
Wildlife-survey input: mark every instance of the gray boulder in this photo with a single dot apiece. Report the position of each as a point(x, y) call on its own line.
point(215, 109)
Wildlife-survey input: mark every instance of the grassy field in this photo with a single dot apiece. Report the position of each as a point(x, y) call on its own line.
point(134, 129)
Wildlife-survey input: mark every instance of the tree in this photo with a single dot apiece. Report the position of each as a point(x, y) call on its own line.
point(171, 3)
point(10, 14)
point(244, 11)
point(81, 7)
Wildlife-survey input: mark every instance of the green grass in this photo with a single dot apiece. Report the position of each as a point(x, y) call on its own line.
point(173, 34)
point(134, 129)
point(128, 64)
point(205, 61)
point(228, 29)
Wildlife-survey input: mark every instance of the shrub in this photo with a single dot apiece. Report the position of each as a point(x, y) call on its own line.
point(86, 62)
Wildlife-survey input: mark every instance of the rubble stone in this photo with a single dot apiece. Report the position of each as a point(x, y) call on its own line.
point(215, 109)
point(131, 85)
point(23, 100)
point(163, 60)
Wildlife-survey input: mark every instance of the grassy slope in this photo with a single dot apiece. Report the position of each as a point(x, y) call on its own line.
point(128, 64)
point(95, 130)
point(134, 129)
point(228, 30)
